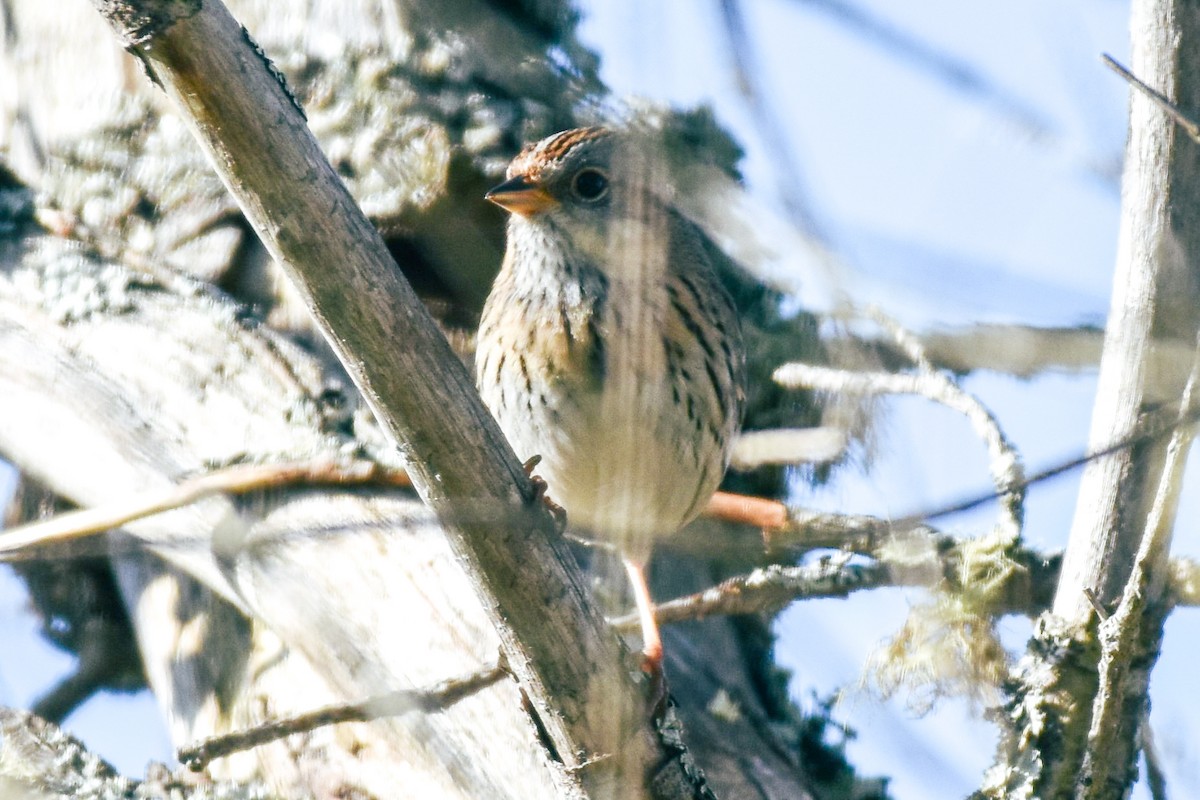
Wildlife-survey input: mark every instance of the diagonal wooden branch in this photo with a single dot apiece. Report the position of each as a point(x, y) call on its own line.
point(556, 643)
point(37, 538)
point(431, 700)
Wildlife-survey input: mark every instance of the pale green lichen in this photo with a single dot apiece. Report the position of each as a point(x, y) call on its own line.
point(947, 647)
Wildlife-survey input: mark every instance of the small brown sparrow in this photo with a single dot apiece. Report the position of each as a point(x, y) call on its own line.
point(609, 347)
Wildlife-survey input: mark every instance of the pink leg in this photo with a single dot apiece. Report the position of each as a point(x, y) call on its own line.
point(652, 649)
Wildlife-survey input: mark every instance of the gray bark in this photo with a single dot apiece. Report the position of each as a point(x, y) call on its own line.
point(1080, 696)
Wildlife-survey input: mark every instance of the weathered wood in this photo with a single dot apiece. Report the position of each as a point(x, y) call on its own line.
point(1081, 694)
point(170, 377)
point(98, 384)
point(557, 644)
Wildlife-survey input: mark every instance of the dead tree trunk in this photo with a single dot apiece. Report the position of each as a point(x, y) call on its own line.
point(1080, 697)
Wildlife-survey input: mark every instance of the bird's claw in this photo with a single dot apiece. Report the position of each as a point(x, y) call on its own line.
point(539, 493)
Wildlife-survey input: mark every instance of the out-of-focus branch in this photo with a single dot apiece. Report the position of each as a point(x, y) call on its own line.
point(1022, 351)
point(1156, 779)
point(1185, 582)
point(33, 539)
point(789, 181)
point(955, 73)
point(1007, 474)
point(754, 449)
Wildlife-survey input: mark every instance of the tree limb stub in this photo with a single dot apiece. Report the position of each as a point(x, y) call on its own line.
point(556, 642)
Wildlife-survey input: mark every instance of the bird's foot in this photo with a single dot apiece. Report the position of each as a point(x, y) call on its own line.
point(539, 493)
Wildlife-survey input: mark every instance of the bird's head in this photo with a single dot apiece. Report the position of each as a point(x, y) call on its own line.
point(568, 174)
point(592, 186)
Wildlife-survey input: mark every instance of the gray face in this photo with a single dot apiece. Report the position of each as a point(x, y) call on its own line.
point(604, 207)
point(586, 194)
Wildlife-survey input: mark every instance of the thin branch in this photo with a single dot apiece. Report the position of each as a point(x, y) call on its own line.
point(769, 589)
point(956, 73)
point(436, 698)
point(1153, 428)
point(239, 479)
point(932, 385)
point(924, 558)
point(1156, 778)
point(789, 181)
point(1189, 126)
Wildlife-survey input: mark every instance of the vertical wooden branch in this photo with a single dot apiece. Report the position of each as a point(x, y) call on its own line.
point(1082, 691)
point(1154, 293)
point(556, 643)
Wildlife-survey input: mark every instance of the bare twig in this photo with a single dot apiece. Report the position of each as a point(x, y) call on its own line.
point(1007, 474)
point(1189, 126)
point(769, 589)
point(239, 479)
point(197, 756)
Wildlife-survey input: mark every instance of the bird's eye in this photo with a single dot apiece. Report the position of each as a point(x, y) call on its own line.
point(590, 184)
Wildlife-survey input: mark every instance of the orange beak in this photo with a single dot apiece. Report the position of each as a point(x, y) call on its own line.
point(521, 196)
